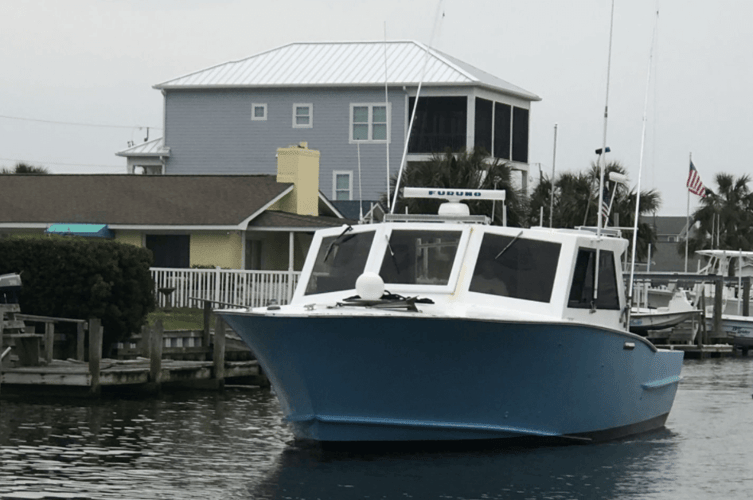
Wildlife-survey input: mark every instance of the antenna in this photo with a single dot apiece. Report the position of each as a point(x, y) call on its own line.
point(640, 170)
point(389, 115)
point(360, 193)
point(554, 160)
point(415, 106)
point(603, 151)
point(603, 164)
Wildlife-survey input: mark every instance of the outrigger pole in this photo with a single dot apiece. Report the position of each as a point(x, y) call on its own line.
point(602, 165)
point(413, 114)
point(640, 171)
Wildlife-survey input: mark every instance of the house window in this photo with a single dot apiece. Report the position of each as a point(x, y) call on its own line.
point(502, 128)
point(303, 115)
point(258, 112)
point(440, 123)
point(483, 124)
point(520, 135)
point(368, 123)
point(342, 185)
point(169, 250)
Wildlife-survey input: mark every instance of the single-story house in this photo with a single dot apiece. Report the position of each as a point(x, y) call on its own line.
point(255, 222)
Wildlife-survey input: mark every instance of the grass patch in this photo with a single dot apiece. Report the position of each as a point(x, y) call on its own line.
point(180, 318)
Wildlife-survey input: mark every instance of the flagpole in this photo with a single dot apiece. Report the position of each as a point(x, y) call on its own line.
point(687, 218)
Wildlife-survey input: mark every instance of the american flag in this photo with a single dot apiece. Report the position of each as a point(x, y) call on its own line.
point(605, 205)
point(694, 183)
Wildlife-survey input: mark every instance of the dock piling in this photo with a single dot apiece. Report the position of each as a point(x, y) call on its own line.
point(80, 336)
point(49, 340)
point(95, 354)
point(219, 352)
point(205, 335)
point(155, 358)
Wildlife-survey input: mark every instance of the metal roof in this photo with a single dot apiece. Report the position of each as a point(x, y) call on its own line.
point(155, 147)
point(345, 64)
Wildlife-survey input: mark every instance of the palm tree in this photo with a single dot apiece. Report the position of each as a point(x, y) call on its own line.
point(25, 168)
point(470, 170)
point(725, 218)
point(576, 198)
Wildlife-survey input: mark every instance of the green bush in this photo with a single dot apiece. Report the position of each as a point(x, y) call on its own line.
point(81, 279)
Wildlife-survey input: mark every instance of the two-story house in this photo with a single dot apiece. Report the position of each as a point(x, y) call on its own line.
point(351, 101)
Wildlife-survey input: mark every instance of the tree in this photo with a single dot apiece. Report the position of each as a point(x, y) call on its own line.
point(25, 168)
point(469, 170)
point(725, 217)
point(576, 198)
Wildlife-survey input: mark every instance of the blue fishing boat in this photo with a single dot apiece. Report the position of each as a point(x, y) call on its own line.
point(447, 328)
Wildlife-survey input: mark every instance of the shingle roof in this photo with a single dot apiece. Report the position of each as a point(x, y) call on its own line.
point(344, 64)
point(159, 200)
point(277, 219)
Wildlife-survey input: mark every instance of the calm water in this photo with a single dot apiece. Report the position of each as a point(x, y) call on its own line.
point(234, 446)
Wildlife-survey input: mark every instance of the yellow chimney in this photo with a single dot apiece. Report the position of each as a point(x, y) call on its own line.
point(300, 165)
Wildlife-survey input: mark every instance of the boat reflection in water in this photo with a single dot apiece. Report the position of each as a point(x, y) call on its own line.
point(446, 328)
point(627, 468)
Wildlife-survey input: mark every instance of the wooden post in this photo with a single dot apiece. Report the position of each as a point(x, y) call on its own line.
point(746, 296)
point(146, 341)
point(156, 340)
point(3, 354)
point(205, 336)
point(49, 340)
point(80, 336)
point(718, 292)
point(95, 353)
point(704, 331)
point(219, 352)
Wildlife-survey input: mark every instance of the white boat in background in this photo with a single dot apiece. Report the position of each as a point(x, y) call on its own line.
point(678, 310)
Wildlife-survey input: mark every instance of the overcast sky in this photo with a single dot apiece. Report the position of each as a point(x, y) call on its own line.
point(94, 62)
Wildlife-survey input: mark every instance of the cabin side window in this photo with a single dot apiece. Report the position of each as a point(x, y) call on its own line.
point(339, 262)
point(515, 267)
point(582, 288)
point(420, 257)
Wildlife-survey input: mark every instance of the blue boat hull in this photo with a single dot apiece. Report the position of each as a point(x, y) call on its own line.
point(418, 378)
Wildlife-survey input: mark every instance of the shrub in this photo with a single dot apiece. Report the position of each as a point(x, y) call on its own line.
point(82, 278)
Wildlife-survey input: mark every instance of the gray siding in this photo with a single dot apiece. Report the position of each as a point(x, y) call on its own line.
point(211, 132)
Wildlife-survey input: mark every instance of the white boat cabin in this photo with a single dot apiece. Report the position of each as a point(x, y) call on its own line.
point(468, 269)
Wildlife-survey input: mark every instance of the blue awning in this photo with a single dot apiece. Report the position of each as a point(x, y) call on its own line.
point(88, 230)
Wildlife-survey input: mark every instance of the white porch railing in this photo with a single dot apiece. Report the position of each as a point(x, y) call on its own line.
point(230, 286)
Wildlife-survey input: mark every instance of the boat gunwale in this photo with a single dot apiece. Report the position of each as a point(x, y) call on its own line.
point(413, 316)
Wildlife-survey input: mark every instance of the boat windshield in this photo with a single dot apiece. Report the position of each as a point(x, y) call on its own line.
point(510, 266)
point(339, 262)
point(417, 257)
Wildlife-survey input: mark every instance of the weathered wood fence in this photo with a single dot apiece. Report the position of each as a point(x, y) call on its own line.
point(188, 287)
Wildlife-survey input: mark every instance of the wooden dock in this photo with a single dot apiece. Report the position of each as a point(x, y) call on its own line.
point(150, 370)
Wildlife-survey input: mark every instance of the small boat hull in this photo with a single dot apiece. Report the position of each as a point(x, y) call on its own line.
point(643, 322)
point(739, 329)
point(412, 378)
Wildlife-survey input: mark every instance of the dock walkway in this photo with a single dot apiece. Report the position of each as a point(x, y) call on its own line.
point(147, 372)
